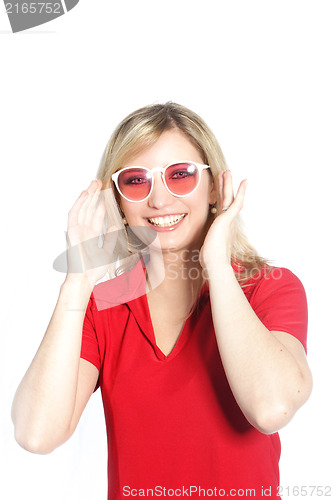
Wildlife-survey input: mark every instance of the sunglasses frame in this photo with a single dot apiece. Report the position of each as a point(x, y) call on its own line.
point(151, 171)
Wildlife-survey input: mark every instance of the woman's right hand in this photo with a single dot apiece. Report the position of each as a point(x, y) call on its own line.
point(85, 225)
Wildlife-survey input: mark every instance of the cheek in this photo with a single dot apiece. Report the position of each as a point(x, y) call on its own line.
point(201, 205)
point(126, 206)
point(199, 209)
point(202, 198)
point(132, 211)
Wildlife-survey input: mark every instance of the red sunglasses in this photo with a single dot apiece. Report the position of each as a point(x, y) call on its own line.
point(180, 179)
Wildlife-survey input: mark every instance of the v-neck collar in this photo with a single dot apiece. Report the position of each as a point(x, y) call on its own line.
point(141, 312)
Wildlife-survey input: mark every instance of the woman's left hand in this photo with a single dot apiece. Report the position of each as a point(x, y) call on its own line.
point(219, 240)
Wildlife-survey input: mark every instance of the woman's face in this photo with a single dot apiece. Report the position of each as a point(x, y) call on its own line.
point(191, 210)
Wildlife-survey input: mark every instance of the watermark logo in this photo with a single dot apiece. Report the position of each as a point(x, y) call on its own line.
point(117, 263)
point(24, 14)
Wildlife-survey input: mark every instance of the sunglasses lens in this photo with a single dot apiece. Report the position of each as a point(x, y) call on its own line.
point(134, 183)
point(182, 178)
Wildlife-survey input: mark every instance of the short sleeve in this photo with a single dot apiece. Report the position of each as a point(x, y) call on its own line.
point(279, 300)
point(89, 346)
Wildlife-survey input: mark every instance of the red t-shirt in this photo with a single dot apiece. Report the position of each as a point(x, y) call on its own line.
point(173, 425)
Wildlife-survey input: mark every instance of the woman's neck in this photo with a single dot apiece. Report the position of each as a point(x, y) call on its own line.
point(176, 274)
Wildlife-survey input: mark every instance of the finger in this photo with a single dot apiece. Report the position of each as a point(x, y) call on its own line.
point(97, 217)
point(93, 186)
point(74, 211)
point(82, 215)
point(96, 201)
point(238, 202)
point(220, 186)
point(227, 190)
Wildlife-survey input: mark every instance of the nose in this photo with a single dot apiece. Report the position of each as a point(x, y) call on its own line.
point(159, 196)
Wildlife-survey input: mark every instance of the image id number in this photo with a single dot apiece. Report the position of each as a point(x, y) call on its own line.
point(33, 8)
point(304, 491)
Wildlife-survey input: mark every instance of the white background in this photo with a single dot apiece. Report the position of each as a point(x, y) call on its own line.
point(260, 74)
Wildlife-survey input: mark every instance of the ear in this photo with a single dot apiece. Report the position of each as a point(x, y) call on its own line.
point(212, 196)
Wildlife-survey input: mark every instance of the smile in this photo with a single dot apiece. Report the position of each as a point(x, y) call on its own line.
point(167, 221)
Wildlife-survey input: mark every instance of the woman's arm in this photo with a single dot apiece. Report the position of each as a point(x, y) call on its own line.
point(54, 391)
point(56, 387)
point(267, 371)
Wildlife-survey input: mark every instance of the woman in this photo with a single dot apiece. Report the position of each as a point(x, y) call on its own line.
point(198, 346)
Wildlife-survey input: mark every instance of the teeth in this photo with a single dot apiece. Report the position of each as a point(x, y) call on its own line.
point(169, 220)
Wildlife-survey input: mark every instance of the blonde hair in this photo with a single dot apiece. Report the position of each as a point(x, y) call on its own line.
point(141, 129)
